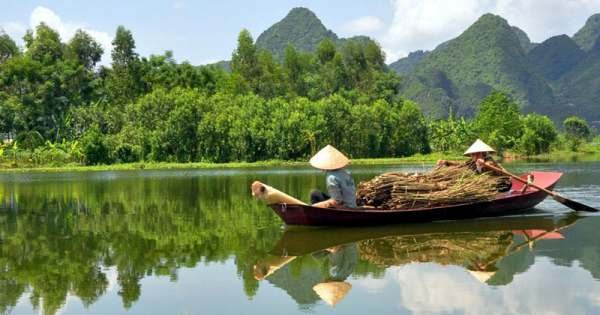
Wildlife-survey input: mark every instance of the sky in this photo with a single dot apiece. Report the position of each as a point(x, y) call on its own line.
point(206, 31)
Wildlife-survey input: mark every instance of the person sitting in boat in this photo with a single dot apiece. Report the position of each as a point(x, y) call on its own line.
point(480, 154)
point(340, 185)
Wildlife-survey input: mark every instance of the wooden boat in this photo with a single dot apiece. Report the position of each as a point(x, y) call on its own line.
point(510, 202)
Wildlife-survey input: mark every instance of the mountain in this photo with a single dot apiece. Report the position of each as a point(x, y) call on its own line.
point(487, 56)
point(524, 40)
point(555, 56)
point(587, 35)
point(407, 64)
point(300, 27)
point(579, 92)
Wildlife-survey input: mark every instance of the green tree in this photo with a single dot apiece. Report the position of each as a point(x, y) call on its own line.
point(498, 121)
point(8, 47)
point(325, 51)
point(45, 46)
point(94, 147)
point(124, 82)
point(84, 49)
point(539, 134)
point(244, 62)
point(577, 131)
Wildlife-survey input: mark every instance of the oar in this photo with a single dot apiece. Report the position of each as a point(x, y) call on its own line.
point(565, 201)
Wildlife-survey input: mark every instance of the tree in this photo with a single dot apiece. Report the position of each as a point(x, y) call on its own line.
point(577, 131)
point(539, 133)
point(325, 51)
point(8, 47)
point(45, 46)
point(295, 66)
point(244, 61)
point(84, 49)
point(498, 121)
point(124, 83)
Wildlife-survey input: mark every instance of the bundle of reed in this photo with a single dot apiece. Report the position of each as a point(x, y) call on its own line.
point(441, 186)
point(466, 248)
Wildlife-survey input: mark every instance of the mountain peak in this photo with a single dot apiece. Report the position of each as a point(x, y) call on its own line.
point(301, 12)
point(300, 27)
point(587, 35)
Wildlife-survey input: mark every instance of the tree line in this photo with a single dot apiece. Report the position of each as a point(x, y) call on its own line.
point(58, 106)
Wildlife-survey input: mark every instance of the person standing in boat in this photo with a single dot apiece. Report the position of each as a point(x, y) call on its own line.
point(341, 190)
point(480, 154)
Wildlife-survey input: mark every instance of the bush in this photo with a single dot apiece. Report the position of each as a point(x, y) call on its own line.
point(29, 140)
point(577, 131)
point(94, 147)
point(539, 133)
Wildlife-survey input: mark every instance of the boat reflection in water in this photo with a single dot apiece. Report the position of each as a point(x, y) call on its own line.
point(311, 264)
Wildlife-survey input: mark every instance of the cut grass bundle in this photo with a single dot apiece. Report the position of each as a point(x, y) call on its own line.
point(441, 186)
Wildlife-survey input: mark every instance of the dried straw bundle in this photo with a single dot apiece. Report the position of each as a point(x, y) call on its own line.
point(441, 186)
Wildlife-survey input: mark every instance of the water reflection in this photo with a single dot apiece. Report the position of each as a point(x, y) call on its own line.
point(122, 241)
point(314, 263)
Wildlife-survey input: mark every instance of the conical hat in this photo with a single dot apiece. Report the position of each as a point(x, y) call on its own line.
point(479, 146)
point(332, 292)
point(482, 276)
point(329, 158)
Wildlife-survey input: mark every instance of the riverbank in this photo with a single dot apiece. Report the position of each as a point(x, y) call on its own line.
point(419, 158)
point(587, 154)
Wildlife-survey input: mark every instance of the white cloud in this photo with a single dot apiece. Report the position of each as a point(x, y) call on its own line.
point(66, 29)
point(429, 288)
point(362, 25)
point(426, 23)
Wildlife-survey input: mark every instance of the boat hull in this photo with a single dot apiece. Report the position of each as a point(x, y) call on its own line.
point(505, 203)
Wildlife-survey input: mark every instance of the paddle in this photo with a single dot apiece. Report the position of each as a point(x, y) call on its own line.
point(565, 201)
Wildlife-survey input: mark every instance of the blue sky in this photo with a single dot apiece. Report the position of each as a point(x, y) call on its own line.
point(206, 31)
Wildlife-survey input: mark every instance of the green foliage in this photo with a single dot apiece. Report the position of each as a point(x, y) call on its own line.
point(84, 49)
point(577, 131)
point(94, 147)
point(539, 133)
point(498, 121)
point(8, 47)
point(452, 134)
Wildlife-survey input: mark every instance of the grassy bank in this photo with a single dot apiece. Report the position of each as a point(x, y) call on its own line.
point(419, 158)
point(587, 153)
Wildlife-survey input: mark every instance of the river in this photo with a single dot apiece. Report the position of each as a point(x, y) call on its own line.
point(195, 242)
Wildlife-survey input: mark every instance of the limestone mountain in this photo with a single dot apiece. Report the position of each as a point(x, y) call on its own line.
point(555, 56)
point(524, 40)
point(579, 90)
point(587, 35)
point(487, 56)
point(407, 64)
point(300, 27)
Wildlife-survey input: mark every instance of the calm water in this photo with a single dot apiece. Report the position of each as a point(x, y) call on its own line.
point(194, 242)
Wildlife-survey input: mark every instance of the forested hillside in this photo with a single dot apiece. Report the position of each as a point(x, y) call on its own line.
point(556, 77)
point(486, 57)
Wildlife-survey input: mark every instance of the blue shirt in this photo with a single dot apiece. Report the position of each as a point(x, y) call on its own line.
point(340, 186)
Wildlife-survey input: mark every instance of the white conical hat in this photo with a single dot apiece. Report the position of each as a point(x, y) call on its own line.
point(479, 146)
point(332, 292)
point(482, 276)
point(329, 158)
